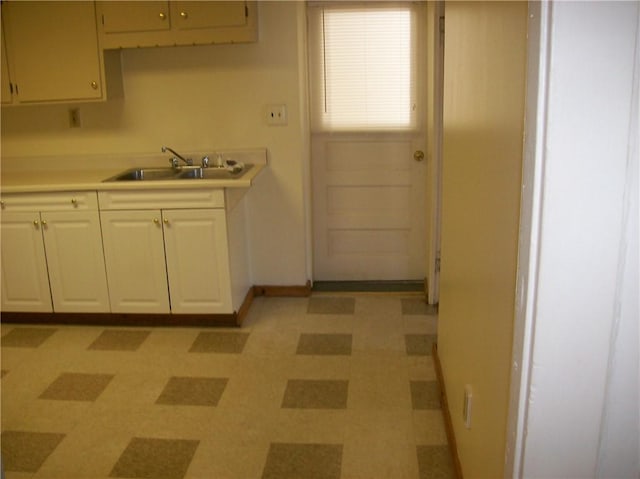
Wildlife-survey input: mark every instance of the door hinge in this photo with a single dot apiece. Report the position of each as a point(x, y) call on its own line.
point(246, 11)
point(441, 26)
point(438, 262)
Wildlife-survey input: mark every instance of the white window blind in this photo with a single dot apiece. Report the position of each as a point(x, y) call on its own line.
point(363, 67)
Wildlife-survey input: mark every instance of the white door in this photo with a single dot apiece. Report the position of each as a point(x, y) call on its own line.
point(73, 243)
point(197, 261)
point(369, 208)
point(25, 282)
point(134, 255)
point(368, 141)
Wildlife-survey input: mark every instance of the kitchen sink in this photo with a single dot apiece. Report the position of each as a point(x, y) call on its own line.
point(184, 173)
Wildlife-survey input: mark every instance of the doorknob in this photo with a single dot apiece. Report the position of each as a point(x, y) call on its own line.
point(418, 155)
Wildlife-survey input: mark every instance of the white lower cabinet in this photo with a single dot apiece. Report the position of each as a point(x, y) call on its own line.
point(52, 260)
point(172, 259)
point(25, 282)
point(134, 255)
point(197, 260)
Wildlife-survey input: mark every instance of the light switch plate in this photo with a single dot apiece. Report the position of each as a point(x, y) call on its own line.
point(276, 115)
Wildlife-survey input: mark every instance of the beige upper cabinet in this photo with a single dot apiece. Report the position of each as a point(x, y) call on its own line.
point(53, 52)
point(6, 80)
point(126, 17)
point(132, 24)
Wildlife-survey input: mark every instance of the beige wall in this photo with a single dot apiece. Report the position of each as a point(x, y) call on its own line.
point(485, 62)
point(202, 98)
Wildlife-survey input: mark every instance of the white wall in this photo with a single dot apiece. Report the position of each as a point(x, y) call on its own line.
point(579, 402)
point(198, 99)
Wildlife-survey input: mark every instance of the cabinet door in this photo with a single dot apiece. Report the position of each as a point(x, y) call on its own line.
point(25, 284)
point(189, 15)
point(5, 93)
point(53, 48)
point(73, 244)
point(197, 261)
point(140, 16)
point(134, 256)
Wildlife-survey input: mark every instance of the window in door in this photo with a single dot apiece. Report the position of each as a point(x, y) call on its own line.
point(363, 67)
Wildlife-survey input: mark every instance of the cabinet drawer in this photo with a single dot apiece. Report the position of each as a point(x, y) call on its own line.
point(58, 201)
point(160, 199)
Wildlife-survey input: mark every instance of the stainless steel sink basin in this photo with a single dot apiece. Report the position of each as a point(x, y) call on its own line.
point(185, 173)
point(213, 173)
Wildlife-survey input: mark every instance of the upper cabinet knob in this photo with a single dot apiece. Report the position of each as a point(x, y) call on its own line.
point(94, 85)
point(184, 15)
point(163, 16)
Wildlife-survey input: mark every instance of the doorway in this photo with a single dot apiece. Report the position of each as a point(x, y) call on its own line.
point(367, 66)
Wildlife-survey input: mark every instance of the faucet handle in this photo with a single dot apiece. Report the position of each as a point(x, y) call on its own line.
point(205, 162)
point(174, 162)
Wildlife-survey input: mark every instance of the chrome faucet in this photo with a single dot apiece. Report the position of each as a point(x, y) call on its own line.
point(174, 160)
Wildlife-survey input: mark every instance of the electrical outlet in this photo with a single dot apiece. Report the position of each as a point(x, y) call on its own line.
point(74, 118)
point(466, 406)
point(276, 115)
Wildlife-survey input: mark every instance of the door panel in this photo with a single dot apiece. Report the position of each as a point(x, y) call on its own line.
point(369, 203)
point(197, 261)
point(134, 255)
point(25, 282)
point(73, 244)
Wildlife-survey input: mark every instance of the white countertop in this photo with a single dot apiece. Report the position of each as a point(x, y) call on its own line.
point(76, 177)
point(82, 180)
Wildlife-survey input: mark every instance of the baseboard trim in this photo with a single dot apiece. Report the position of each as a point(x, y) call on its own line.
point(122, 319)
point(291, 291)
point(447, 415)
point(245, 306)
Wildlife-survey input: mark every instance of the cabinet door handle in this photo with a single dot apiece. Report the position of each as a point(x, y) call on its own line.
point(94, 85)
point(184, 15)
point(162, 16)
point(36, 223)
point(44, 222)
point(1, 204)
point(156, 220)
point(165, 221)
point(74, 202)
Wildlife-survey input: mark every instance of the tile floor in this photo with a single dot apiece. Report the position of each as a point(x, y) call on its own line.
point(322, 387)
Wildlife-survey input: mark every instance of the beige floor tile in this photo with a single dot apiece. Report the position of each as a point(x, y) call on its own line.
point(378, 305)
point(24, 337)
point(224, 458)
point(379, 384)
point(26, 451)
point(435, 462)
point(325, 344)
point(119, 340)
point(153, 458)
point(215, 342)
point(379, 444)
point(428, 427)
point(420, 324)
point(311, 461)
point(266, 343)
point(77, 387)
point(310, 425)
point(192, 391)
point(329, 305)
point(316, 394)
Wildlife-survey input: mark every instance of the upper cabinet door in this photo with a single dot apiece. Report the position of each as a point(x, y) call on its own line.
point(53, 49)
point(194, 15)
point(4, 71)
point(137, 16)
